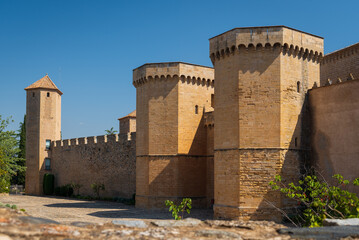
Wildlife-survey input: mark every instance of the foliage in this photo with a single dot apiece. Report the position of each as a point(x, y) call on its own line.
point(9, 151)
point(110, 131)
point(64, 191)
point(185, 205)
point(48, 184)
point(76, 187)
point(318, 200)
point(20, 175)
point(97, 187)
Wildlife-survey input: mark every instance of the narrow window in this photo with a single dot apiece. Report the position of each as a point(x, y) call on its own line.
point(48, 94)
point(48, 144)
point(33, 94)
point(295, 142)
point(298, 86)
point(196, 109)
point(47, 164)
point(212, 100)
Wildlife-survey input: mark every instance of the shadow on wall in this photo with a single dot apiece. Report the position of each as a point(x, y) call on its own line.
point(295, 162)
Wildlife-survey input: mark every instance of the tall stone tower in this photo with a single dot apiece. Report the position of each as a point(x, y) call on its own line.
point(262, 77)
point(43, 125)
point(171, 152)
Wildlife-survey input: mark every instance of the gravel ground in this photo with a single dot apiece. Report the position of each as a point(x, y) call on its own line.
point(65, 210)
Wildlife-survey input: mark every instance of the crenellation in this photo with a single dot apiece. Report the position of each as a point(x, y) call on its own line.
point(82, 141)
point(66, 143)
point(112, 138)
point(58, 143)
point(74, 142)
point(91, 140)
point(101, 139)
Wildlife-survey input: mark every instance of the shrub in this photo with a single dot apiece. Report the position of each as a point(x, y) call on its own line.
point(64, 191)
point(97, 187)
point(48, 184)
point(318, 200)
point(181, 208)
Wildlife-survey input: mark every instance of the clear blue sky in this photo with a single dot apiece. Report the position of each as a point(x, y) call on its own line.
point(89, 48)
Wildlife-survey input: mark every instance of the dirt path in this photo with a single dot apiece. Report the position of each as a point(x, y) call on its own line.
point(64, 210)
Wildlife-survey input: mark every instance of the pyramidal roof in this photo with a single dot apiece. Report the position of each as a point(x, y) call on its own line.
point(131, 115)
point(44, 83)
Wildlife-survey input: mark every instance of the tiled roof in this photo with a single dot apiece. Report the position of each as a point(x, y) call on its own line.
point(131, 115)
point(44, 83)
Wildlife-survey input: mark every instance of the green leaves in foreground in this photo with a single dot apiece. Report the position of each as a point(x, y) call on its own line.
point(318, 200)
point(185, 205)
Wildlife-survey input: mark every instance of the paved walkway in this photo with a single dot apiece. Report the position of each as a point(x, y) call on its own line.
point(66, 210)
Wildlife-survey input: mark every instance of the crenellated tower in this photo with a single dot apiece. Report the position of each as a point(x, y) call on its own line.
point(262, 78)
point(43, 125)
point(171, 155)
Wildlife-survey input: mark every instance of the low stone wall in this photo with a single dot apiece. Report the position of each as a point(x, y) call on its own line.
point(108, 160)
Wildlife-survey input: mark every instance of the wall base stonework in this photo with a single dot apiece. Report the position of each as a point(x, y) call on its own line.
point(175, 177)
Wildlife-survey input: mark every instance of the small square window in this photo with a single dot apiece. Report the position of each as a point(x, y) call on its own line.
point(48, 94)
point(47, 163)
point(48, 144)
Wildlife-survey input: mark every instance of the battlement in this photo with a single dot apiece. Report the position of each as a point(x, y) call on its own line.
point(160, 71)
point(290, 40)
point(95, 140)
point(342, 53)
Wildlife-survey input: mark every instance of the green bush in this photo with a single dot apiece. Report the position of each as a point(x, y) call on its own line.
point(318, 200)
point(97, 187)
point(48, 184)
point(185, 205)
point(64, 191)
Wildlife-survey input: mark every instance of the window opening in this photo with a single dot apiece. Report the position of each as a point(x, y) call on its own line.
point(48, 94)
point(298, 86)
point(47, 163)
point(196, 109)
point(48, 144)
point(33, 94)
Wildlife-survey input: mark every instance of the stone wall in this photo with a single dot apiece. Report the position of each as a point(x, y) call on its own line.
point(340, 66)
point(110, 160)
point(335, 135)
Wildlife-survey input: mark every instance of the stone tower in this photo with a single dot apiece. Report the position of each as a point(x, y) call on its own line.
point(171, 152)
point(262, 77)
point(43, 125)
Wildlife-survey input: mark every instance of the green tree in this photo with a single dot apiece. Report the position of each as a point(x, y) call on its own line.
point(19, 178)
point(110, 131)
point(9, 152)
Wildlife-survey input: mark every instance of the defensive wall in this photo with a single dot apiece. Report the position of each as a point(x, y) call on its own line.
point(335, 130)
point(340, 66)
point(108, 160)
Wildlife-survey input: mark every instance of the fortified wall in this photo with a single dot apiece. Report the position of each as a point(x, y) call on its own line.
point(109, 160)
point(340, 66)
point(335, 130)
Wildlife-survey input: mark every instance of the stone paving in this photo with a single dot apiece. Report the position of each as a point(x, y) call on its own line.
point(65, 210)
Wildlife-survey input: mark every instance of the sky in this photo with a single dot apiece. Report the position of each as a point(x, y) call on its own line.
point(89, 48)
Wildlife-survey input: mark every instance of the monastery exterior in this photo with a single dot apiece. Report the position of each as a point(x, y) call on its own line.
point(272, 104)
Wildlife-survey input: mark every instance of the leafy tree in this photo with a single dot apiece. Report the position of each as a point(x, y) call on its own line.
point(110, 131)
point(19, 178)
point(178, 211)
point(318, 200)
point(97, 187)
point(9, 151)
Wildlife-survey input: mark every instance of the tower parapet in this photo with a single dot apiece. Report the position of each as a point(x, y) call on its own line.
point(292, 41)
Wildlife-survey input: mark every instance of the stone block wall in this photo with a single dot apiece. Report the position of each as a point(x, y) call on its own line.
point(335, 134)
point(110, 160)
point(340, 66)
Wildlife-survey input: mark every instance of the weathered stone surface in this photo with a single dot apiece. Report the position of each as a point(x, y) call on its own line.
point(37, 220)
point(217, 234)
point(81, 224)
point(341, 222)
point(130, 223)
point(187, 222)
point(335, 232)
